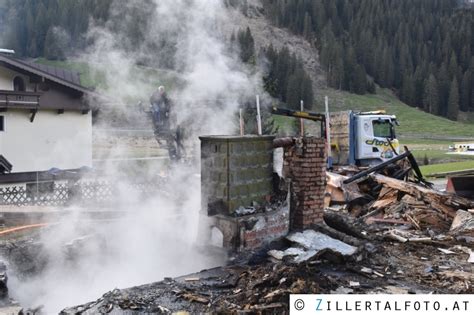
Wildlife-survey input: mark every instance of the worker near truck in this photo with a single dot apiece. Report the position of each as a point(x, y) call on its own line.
point(163, 115)
point(160, 109)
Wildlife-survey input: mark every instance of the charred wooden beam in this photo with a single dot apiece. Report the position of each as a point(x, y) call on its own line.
point(283, 142)
point(377, 167)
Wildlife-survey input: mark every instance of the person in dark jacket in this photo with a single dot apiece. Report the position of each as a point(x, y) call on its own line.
point(160, 110)
point(165, 123)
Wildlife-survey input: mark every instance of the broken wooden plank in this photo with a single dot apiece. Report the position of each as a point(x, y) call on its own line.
point(393, 236)
point(414, 222)
point(431, 196)
point(340, 192)
point(191, 279)
point(195, 298)
point(386, 221)
point(382, 203)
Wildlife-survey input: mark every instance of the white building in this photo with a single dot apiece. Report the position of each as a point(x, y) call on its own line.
point(45, 119)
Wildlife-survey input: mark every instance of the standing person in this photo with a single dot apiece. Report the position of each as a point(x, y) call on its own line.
point(160, 110)
point(165, 123)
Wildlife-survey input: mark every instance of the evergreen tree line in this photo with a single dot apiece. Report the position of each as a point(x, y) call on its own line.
point(55, 29)
point(285, 76)
point(421, 49)
point(287, 79)
point(49, 28)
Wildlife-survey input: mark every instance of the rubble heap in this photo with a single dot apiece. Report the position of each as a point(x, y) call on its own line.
point(408, 206)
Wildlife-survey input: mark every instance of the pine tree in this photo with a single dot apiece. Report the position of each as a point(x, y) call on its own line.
point(430, 99)
point(350, 63)
point(51, 50)
point(293, 94)
point(283, 71)
point(360, 80)
point(233, 43)
point(453, 102)
point(247, 46)
point(308, 27)
point(419, 86)
point(465, 92)
point(408, 90)
point(443, 89)
point(307, 91)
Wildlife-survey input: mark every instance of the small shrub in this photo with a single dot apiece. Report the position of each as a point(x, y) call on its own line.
point(426, 161)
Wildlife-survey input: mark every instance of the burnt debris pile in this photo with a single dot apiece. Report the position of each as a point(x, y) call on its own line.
point(399, 206)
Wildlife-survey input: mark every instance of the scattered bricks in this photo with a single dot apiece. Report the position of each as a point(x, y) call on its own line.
point(306, 166)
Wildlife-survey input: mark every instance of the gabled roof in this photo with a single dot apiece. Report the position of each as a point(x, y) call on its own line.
point(63, 74)
point(64, 77)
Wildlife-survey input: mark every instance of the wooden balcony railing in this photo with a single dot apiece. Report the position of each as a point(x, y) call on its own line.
point(17, 99)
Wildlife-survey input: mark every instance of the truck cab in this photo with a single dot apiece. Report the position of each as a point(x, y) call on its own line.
point(362, 138)
point(374, 138)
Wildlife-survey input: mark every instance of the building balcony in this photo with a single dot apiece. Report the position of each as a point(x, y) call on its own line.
point(19, 100)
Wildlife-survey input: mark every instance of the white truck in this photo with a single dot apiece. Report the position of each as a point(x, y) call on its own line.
point(355, 138)
point(362, 138)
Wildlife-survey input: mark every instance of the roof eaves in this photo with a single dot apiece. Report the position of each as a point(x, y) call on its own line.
point(44, 73)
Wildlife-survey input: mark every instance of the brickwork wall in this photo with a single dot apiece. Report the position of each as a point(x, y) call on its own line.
point(252, 231)
point(269, 227)
point(305, 165)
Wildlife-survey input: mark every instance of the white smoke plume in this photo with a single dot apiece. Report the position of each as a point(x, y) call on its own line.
point(157, 238)
point(212, 82)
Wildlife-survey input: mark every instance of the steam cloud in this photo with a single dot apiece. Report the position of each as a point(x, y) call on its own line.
point(157, 237)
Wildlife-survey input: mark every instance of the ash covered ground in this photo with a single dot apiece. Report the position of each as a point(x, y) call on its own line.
point(259, 284)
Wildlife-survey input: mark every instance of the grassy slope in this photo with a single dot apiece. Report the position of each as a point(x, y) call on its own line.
point(425, 134)
point(89, 78)
point(414, 123)
point(96, 79)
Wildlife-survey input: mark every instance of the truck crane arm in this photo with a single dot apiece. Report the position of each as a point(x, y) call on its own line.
point(299, 114)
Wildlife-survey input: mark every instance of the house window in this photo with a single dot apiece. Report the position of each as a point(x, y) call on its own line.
point(18, 84)
point(2, 123)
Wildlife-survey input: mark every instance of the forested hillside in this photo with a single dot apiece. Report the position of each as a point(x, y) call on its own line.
point(285, 77)
point(48, 28)
point(421, 49)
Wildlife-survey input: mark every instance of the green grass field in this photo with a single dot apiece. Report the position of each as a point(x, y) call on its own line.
point(447, 167)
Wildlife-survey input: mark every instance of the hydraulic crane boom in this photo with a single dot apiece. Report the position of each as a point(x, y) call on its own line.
point(305, 115)
point(299, 114)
